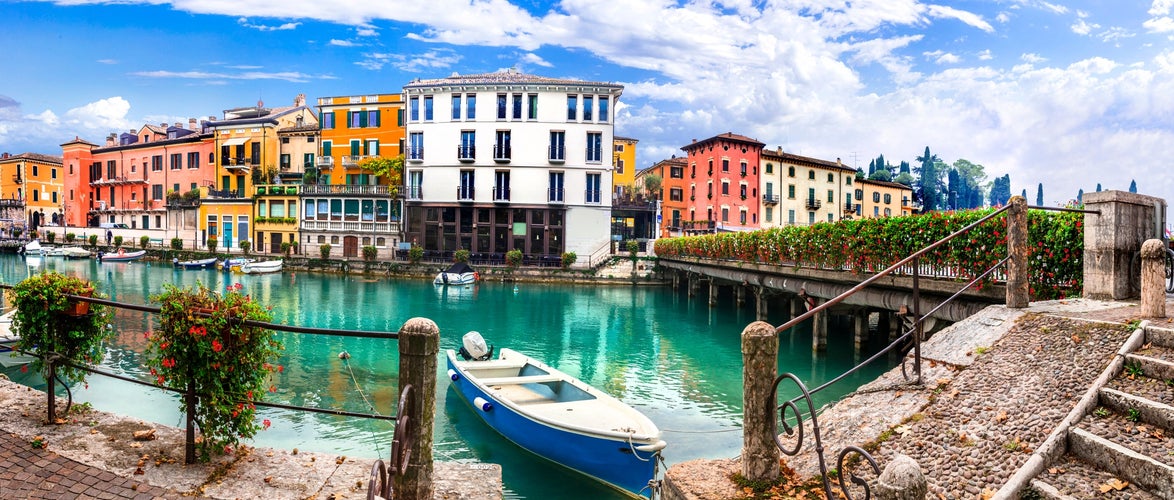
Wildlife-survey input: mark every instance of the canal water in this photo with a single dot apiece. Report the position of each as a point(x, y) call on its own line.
point(668, 355)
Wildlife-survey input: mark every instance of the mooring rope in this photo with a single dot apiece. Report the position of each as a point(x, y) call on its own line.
point(346, 357)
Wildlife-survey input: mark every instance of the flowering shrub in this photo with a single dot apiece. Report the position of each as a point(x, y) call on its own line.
point(45, 325)
point(203, 344)
point(871, 245)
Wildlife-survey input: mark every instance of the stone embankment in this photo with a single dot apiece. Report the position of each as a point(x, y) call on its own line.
point(998, 394)
point(93, 454)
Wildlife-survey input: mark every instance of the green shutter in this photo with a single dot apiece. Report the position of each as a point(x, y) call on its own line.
point(399, 117)
point(354, 147)
point(378, 118)
point(348, 119)
point(326, 148)
point(362, 119)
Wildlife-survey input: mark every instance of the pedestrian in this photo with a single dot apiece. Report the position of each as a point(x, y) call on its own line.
point(109, 237)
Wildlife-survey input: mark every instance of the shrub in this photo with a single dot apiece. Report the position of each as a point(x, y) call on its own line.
point(370, 252)
point(16, 232)
point(93, 240)
point(49, 322)
point(324, 250)
point(212, 241)
point(176, 244)
point(51, 236)
point(245, 246)
point(286, 247)
point(69, 237)
point(118, 241)
point(461, 255)
point(513, 258)
point(569, 259)
point(202, 338)
point(144, 241)
point(415, 254)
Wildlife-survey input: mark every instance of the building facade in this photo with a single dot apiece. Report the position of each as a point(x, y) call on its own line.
point(503, 161)
point(31, 191)
point(673, 196)
point(799, 190)
point(873, 199)
point(624, 158)
point(724, 181)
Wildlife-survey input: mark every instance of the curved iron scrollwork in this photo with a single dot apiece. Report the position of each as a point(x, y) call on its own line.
point(381, 483)
point(782, 410)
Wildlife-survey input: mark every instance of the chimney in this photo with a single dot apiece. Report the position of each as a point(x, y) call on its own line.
point(780, 150)
point(838, 162)
point(192, 124)
point(300, 100)
point(694, 141)
point(4, 156)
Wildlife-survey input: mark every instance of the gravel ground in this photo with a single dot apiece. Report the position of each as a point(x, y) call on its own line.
point(1151, 389)
point(1079, 479)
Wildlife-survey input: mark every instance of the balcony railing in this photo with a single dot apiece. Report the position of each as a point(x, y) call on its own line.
point(16, 178)
point(11, 203)
point(594, 155)
point(466, 153)
point(366, 189)
point(361, 227)
point(325, 162)
point(770, 199)
point(465, 193)
point(353, 160)
point(224, 193)
point(849, 207)
point(501, 153)
point(416, 153)
point(557, 154)
point(501, 193)
point(555, 195)
point(278, 189)
point(593, 196)
point(814, 204)
point(415, 192)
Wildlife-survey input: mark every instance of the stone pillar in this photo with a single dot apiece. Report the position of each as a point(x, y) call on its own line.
point(1018, 249)
point(419, 343)
point(740, 295)
point(712, 293)
point(1113, 238)
point(760, 350)
point(860, 323)
point(760, 304)
point(1153, 279)
point(901, 480)
point(819, 330)
point(797, 307)
point(694, 285)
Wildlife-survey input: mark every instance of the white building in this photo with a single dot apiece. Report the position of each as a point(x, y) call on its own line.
point(503, 161)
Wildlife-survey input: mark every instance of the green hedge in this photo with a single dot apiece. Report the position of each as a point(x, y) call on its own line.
point(870, 245)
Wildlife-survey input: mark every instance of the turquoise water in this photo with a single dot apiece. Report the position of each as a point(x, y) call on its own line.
point(668, 355)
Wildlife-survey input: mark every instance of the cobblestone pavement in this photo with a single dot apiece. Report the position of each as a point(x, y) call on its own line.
point(38, 473)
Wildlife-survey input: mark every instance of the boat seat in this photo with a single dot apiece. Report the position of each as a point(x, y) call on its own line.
point(526, 379)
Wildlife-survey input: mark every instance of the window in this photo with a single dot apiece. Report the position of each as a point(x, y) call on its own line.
point(770, 170)
point(356, 147)
point(876, 211)
point(414, 109)
point(327, 146)
point(675, 194)
point(743, 169)
point(532, 108)
point(594, 147)
point(725, 164)
point(594, 194)
point(416, 146)
point(326, 120)
point(501, 106)
point(859, 194)
point(620, 166)
point(677, 172)
point(790, 216)
point(790, 171)
point(831, 177)
point(471, 106)
point(284, 161)
point(193, 160)
point(501, 185)
point(743, 191)
point(710, 167)
point(888, 199)
point(742, 217)
point(790, 191)
point(725, 214)
point(572, 108)
point(467, 149)
point(725, 188)
point(456, 106)
point(501, 145)
point(848, 180)
point(465, 192)
point(556, 187)
point(831, 196)
point(769, 215)
point(588, 103)
point(876, 197)
point(709, 189)
point(888, 212)
point(415, 184)
point(517, 106)
point(176, 161)
point(357, 119)
point(373, 118)
point(558, 144)
point(811, 174)
point(604, 117)
point(156, 191)
point(811, 194)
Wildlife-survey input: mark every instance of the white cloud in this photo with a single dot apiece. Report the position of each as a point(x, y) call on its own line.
point(1032, 58)
point(107, 61)
point(1159, 25)
point(289, 76)
point(969, 18)
point(985, 55)
point(1082, 27)
point(261, 27)
point(1161, 7)
point(431, 60)
point(343, 43)
point(1003, 17)
point(535, 59)
point(1054, 8)
point(941, 57)
point(103, 114)
point(366, 31)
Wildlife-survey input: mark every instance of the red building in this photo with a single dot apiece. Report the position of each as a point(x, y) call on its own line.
point(722, 178)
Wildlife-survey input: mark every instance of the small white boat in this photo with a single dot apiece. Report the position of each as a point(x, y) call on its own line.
point(264, 266)
point(121, 256)
point(8, 341)
point(31, 248)
point(235, 262)
point(75, 253)
point(557, 417)
point(457, 274)
point(195, 263)
point(53, 251)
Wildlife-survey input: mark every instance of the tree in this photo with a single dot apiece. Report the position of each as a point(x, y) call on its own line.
point(881, 175)
point(1039, 195)
point(391, 169)
point(1132, 186)
point(972, 182)
point(1080, 196)
point(956, 189)
point(871, 168)
point(1000, 190)
point(1098, 187)
point(929, 182)
point(1024, 194)
point(652, 185)
point(859, 174)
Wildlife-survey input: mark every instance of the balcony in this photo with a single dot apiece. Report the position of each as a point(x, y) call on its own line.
point(365, 189)
point(325, 162)
point(814, 204)
point(555, 196)
point(466, 154)
point(277, 189)
point(770, 199)
point(465, 193)
point(224, 193)
point(116, 181)
point(501, 194)
point(11, 203)
point(414, 192)
point(361, 227)
point(849, 208)
point(16, 178)
point(557, 154)
point(416, 154)
point(182, 204)
point(239, 166)
point(501, 153)
point(353, 161)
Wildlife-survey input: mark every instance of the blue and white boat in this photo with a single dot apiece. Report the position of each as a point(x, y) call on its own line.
point(236, 262)
point(207, 263)
point(558, 417)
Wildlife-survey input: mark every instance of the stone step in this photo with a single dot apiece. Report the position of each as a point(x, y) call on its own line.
point(1136, 453)
point(1143, 395)
point(1159, 336)
point(1153, 361)
point(1071, 478)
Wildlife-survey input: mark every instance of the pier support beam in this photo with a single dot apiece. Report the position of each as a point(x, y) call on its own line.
point(694, 285)
point(819, 329)
point(740, 295)
point(760, 349)
point(419, 343)
point(894, 321)
point(760, 304)
point(860, 330)
point(712, 293)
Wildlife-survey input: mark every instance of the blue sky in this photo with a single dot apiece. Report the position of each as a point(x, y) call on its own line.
point(1069, 94)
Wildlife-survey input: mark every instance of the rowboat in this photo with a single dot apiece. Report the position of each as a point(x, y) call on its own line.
point(235, 262)
point(457, 274)
point(75, 253)
point(558, 417)
point(121, 256)
point(265, 266)
point(195, 263)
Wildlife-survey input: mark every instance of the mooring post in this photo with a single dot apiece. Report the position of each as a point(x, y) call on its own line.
point(1153, 279)
point(1018, 274)
point(760, 350)
point(419, 343)
point(819, 329)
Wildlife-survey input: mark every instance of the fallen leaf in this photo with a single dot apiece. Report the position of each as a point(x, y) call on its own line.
point(268, 479)
point(132, 445)
point(1113, 485)
point(987, 494)
point(1001, 417)
point(340, 460)
point(146, 435)
point(1076, 339)
point(139, 471)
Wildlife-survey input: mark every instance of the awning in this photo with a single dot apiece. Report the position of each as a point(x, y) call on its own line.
point(235, 142)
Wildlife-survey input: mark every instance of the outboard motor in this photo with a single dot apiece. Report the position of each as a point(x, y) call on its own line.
point(474, 347)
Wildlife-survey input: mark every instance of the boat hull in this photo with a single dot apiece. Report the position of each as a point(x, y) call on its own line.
point(122, 256)
point(455, 279)
point(607, 459)
point(197, 264)
point(269, 266)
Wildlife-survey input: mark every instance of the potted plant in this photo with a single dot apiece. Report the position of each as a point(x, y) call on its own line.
point(69, 237)
point(118, 241)
point(286, 247)
point(204, 346)
point(513, 258)
point(415, 254)
point(568, 259)
point(51, 236)
point(93, 240)
point(176, 244)
point(212, 241)
point(461, 256)
point(144, 241)
point(324, 250)
point(50, 322)
point(370, 252)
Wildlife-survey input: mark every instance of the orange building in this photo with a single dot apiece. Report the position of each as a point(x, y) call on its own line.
point(30, 190)
point(673, 189)
point(354, 128)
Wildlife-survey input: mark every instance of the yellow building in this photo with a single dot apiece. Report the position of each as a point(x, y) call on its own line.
point(624, 158)
point(873, 199)
point(354, 128)
point(249, 151)
point(31, 187)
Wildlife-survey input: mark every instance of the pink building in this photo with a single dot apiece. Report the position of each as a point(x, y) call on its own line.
point(722, 177)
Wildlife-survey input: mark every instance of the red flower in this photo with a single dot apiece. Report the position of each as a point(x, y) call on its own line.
point(168, 362)
point(198, 330)
point(217, 346)
point(265, 423)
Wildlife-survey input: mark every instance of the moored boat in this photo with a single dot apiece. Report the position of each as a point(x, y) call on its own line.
point(558, 417)
point(75, 253)
point(235, 262)
point(264, 266)
point(121, 255)
point(8, 340)
point(49, 251)
point(457, 274)
point(31, 248)
point(195, 263)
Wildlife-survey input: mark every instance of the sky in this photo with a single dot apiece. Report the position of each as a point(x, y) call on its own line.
point(1069, 94)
